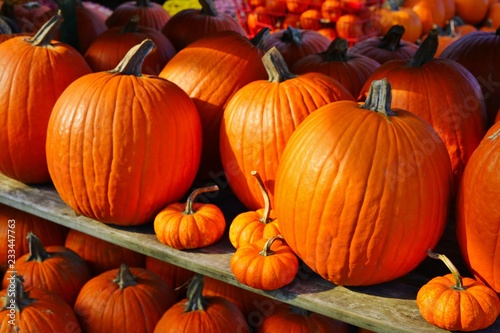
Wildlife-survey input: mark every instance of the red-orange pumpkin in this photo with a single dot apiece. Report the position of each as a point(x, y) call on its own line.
point(478, 214)
point(404, 16)
point(123, 172)
point(472, 11)
point(431, 12)
point(151, 14)
point(355, 181)
point(46, 69)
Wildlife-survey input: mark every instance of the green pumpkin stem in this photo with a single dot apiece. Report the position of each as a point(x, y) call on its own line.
point(46, 33)
point(458, 278)
point(20, 297)
point(208, 7)
point(266, 251)
point(259, 40)
point(125, 278)
point(132, 25)
point(337, 50)
point(131, 64)
point(379, 98)
point(190, 200)
point(426, 51)
point(267, 201)
point(276, 67)
point(195, 299)
point(292, 35)
point(392, 39)
point(37, 251)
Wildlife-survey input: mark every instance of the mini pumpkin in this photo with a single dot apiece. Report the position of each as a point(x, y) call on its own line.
point(457, 303)
point(190, 225)
point(265, 264)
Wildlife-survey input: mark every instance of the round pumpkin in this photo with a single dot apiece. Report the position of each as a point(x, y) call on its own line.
point(431, 12)
point(102, 171)
point(126, 300)
point(151, 14)
point(478, 216)
point(472, 11)
point(46, 67)
point(353, 182)
point(406, 17)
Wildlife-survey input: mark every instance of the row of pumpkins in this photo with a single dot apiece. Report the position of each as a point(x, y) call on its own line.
point(68, 281)
point(355, 153)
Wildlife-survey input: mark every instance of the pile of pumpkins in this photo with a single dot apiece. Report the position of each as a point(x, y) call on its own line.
point(353, 159)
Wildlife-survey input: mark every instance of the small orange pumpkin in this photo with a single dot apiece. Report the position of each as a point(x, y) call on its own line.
point(265, 264)
point(455, 303)
point(190, 225)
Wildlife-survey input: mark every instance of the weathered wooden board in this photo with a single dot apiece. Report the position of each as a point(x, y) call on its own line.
point(389, 307)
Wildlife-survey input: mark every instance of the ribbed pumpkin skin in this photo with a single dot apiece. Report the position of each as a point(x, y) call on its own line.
point(210, 70)
point(360, 198)
point(103, 307)
point(151, 14)
point(456, 111)
point(257, 123)
point(478, 215)
point(31, 80)
point(369, 47)
point(478, 52)
point(49, 313)
point(121, 147)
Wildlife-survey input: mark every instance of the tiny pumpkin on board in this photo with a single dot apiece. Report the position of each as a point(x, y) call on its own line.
point(251, 226)
point(455, 303)
point(190, 225)
point(265, 264)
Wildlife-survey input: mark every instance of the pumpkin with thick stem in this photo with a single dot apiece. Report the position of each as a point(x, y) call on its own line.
point(457, 303)
point(26, 105)
point(260, 117)
point(34, 309)
point(155, 146)
point(337, 61)
point(151, 14)
point(192, 24)
point(125, 300)
point(265, 264)
point(404, 16)
point(55, 268)
point(248, 227)
point(190, 225)
point(211, 313)
point(353, 182)
point(422, 86)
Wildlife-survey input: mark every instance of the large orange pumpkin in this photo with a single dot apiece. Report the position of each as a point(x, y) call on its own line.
point(404, 16)
point(260, 118)
point(122, 145)
point(362, 192)
point(472, 11)
point(210, 70)
point(35, 71)
point(478, 215)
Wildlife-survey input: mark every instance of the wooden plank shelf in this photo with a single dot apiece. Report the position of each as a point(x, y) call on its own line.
point(388, 307)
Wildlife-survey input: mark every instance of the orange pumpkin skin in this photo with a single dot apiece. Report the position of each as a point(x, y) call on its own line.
point(175, 276)
point(344, 209)
point(409, 19)
point(430, 12)
point(478, 216)
point(24, 115)
point(127, 300)
point(250, 140)
point(474, 308)
point(205, 71)
point(151, 14)
point(47, 312)
point(472, 11)
point(158, 165)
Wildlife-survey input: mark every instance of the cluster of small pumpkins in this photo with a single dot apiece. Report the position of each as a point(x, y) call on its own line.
point(351, 159)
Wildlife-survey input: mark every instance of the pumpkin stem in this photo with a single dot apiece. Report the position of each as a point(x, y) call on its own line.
point(458, 278)
point(392, 39)
point(47, 32)
point(143, 3)
point(131, 64)
point(132, 25)
point(379, 98)
point(426, 50)
point(292, 35)
point(190, 200)
point(337, 50)
point(266, 251)
point(276, 67)
point(194, 295)
point(208, 7)
point(267, 201)
point(37, 251)
point(19, 298)
point(497, 32)
point(259, 40)
point(125, 278)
